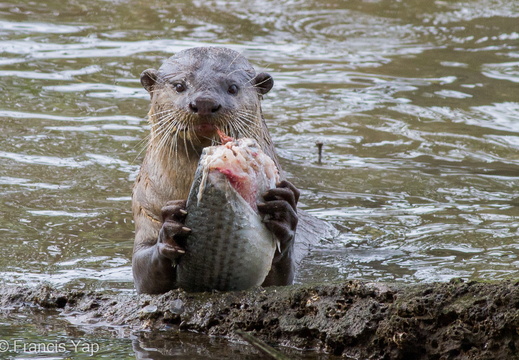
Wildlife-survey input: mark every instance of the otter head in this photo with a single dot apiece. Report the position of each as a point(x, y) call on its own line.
point(200, 90)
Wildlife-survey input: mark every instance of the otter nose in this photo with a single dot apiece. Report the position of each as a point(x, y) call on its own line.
point(204, 106)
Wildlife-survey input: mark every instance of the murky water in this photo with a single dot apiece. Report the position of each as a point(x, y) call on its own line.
point(416, 102)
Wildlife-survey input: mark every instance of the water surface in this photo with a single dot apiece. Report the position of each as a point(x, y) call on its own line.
point(416, 103)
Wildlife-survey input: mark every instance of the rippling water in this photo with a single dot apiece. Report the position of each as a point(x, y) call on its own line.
point(417, 104)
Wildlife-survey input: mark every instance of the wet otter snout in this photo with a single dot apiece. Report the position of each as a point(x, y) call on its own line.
point(204, 106)
point(199, 90)
point(206, 109)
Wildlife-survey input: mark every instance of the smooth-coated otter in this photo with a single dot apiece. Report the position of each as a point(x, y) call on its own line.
point(193, 94)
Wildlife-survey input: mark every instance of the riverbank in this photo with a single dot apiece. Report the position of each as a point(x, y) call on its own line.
point(455, 320)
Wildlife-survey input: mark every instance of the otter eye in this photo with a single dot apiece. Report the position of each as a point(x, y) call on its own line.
point(233, 89)
point(179, 87)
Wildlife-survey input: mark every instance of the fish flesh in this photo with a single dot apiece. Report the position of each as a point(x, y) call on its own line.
point(229, 247)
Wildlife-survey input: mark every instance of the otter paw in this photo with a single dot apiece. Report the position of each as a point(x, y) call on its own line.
point(174, 210)
point(173, 232)
point(280, 208)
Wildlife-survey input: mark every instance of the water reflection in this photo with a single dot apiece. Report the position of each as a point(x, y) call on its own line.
point(182, 346)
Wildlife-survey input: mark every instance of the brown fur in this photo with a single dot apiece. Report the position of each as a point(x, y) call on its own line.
point(169, 164)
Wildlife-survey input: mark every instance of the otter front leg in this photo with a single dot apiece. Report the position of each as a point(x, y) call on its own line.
point(154, 261)
point(281, 208)
point(173, 233)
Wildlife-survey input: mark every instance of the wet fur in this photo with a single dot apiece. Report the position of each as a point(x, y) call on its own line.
point(174, 147)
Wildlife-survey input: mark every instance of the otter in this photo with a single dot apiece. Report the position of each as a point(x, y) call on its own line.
point(194, 94)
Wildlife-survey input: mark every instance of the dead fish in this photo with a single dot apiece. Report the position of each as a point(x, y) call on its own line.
point(229, 247)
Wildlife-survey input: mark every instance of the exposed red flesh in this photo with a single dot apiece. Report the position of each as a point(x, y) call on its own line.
point(223, 137)
point(242, 185)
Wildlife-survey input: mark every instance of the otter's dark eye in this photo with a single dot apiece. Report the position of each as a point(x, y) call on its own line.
point(233, 89)
point(179, 87)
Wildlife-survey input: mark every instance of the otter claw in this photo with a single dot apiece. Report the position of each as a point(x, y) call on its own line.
point(183, 212)
point(186, 229)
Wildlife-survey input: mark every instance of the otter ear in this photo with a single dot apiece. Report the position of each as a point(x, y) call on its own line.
point(148, 79)
point(263, 82)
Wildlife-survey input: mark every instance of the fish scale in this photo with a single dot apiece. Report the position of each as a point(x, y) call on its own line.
point(229, 247)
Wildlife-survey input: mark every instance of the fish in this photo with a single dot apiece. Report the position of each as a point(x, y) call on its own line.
point(229, 247)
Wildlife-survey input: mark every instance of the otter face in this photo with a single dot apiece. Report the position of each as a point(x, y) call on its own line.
point(200, 90)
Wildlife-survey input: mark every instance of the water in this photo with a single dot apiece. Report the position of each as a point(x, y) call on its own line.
point(416, 103)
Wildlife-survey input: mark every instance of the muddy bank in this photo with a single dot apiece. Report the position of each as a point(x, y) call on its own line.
point(453, 320)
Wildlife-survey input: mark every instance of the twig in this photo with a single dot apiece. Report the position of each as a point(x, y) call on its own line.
point(319, 151)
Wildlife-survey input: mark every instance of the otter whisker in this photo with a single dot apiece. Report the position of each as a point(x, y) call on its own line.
point(238, 55)
point(161, 139)
point(159, 124)
point(227, 128)
point(249, 122)
point(143, 145)
point(193, 136)
point(148, 139)
point(241, 129)
point(162, 133)
point(160, 113)
point(185, 142)
point(248, 119)
point(175, 143)
point(171, 142)
point(234, 71)
point(258, 131)
point(160, 130)
point(168, 128)
point(250, 112)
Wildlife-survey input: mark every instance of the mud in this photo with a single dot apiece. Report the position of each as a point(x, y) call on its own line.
point(456, 320)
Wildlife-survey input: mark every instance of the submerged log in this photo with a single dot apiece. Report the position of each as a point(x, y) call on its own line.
point(456, 320)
